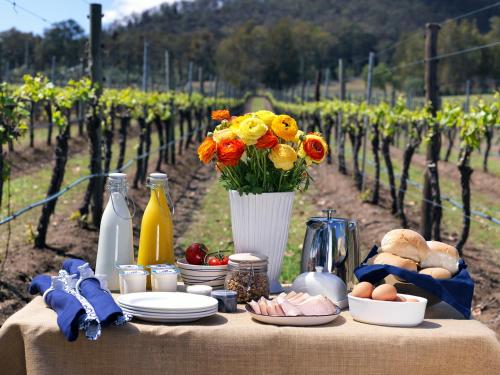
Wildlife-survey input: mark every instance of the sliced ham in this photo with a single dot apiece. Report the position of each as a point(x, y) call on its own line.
point(271, 308)
point(255, 306)
point(279, 310)
point(290, 309)
point(317, 305)
point(263, 306)
point(299, 304)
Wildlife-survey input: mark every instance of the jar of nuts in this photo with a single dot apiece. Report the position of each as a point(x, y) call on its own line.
point(247, 276)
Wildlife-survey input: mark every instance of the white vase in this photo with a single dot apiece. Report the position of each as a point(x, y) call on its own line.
point(260, 224)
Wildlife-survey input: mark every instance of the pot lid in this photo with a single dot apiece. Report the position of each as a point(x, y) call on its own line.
point(321, 283)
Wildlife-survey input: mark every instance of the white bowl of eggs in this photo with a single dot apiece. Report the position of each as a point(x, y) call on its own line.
point(382, 305)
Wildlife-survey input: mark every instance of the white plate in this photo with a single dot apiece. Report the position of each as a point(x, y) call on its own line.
point(183, 319)
point(160, 312)
point(300, 321)
point(388, 313)
point(167, 301)
point(171, 316)
point(163, 311)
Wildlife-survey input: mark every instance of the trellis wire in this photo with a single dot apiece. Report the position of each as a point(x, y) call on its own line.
point(444, 197)
point(88, 177)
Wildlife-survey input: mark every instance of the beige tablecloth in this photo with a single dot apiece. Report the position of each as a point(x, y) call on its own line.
point(30, 342)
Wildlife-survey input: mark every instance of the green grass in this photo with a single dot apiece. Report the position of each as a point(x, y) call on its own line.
point(212, 226)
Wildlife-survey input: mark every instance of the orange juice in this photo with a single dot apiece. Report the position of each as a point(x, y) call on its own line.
point(156, 241)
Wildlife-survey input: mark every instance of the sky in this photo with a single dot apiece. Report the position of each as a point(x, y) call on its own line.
point(49, 11)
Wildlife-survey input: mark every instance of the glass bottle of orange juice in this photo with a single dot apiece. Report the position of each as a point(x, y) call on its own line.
point(156, 241)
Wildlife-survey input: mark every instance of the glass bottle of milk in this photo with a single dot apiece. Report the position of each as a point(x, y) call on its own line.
point(115, 234)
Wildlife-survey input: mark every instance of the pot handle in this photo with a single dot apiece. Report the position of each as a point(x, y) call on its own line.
point(341, 262)
point(329, 212)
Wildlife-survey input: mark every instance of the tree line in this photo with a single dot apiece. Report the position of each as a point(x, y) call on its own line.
point(274, 43)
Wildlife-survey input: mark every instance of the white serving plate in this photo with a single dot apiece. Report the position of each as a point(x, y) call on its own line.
point(298, 321)
point(167, 301)
point(388, 313)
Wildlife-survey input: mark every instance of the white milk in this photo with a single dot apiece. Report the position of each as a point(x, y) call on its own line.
point(115, 234)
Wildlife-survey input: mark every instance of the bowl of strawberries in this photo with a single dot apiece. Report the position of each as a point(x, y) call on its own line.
point(201, 267)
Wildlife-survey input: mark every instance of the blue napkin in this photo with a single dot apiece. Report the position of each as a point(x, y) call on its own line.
point(456, 291)
point(101, 300)
point(70, 311)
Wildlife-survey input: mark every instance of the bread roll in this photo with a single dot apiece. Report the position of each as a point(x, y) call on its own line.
point(394, 260)
point(405, 243)
point(436, 272)
point(441, 255)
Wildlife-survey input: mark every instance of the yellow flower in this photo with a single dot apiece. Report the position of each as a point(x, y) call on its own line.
point(313, 149)
point(266, 116)
point(223, 134)
point(237, 120)
point(250, 130)
point(285, 127)
point(283, 156)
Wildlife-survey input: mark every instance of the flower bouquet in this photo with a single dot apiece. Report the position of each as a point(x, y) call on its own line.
point(263, 158)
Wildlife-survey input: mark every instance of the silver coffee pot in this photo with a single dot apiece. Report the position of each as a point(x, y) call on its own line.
point(332, 243)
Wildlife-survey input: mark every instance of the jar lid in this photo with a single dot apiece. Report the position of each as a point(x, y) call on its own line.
point(248, 258)
point(161, 266)
point(254, 261)
point(128, 267)
point(134, 272)
point(224, 293)
point(158, 176)
point(117, 176)
point(163, 271)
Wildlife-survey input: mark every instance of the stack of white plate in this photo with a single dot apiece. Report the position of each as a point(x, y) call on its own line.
point(167, 307)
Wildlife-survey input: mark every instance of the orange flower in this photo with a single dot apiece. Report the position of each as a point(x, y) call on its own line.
point(221, 114)
point(314, 148)
point(229, 151)
point(207, 149)
point(268, 140)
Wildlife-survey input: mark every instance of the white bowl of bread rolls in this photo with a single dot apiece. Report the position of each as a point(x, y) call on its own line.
point(407, 249)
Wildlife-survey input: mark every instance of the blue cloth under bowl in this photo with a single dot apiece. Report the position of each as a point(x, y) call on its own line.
point(457, 291)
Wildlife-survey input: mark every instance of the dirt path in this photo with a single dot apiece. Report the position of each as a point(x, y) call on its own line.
point(334, 190)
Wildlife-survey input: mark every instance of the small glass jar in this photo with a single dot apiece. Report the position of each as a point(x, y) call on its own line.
point(163, 279)
point(226, 300)
point(133, 281)
point(247, 276)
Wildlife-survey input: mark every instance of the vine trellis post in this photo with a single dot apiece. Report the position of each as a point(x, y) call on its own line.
point(431, 201)
point(371, 59)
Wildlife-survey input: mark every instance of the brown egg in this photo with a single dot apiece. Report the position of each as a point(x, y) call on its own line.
point(363, 290)
point(411, 300)
point(385, 292)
